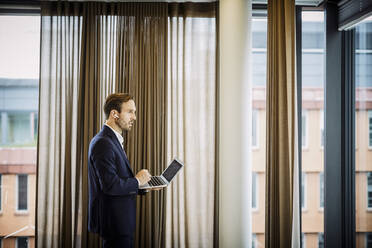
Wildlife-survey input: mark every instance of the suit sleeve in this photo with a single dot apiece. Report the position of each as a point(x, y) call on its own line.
point(105, 166)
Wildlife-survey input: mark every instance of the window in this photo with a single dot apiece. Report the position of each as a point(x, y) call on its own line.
point(304, 128)
point(312, 105)
point(259, 35)
point(22, 193)
point(320, 240)
point(1, 189)
point(22, 242)
point(254, 191)
point(368, 240)
point(370, 128)
point(321, 128)
point(363, 130)
point(303, 240)
point(369, 190)
point(321, 190)
point(255, 131)
point(254, 240)
point(303, 191)
point(19, 94)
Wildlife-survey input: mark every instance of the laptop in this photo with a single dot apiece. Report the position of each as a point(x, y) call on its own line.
point(165, 178)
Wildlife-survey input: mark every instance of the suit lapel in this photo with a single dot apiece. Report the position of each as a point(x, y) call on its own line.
point(113, 137)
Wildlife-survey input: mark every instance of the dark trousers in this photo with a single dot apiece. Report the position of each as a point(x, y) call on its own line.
point(118, 242)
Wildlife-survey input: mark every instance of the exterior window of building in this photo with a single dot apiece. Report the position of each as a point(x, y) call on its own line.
point(322, 129)
point(304, 129)
point(321, 190)
point(303, 191)
point(369, 240)
point(321, 240)
point(370, 128)
point(254, 240)
point(369, 190)
point(1, 189)
point(254, 191)
point(255, 131)
point(22, 193)
point(303, 240)
point(22, 242)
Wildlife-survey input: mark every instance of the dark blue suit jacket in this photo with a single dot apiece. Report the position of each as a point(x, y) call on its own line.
point(112, 187)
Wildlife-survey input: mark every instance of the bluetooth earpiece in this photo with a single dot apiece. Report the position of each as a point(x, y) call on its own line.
point(116, 116)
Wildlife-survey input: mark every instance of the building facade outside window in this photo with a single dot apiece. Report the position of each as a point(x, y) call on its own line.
point(19, 93)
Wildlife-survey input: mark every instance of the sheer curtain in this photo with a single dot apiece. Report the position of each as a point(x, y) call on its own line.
point(89, 50)
point(192, 112)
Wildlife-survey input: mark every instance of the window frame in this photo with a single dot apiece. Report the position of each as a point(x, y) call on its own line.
point(339, 145)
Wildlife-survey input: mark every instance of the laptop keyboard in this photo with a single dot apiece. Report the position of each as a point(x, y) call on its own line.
point(156, 181)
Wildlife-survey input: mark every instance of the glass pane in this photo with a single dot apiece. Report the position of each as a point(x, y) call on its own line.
point(19, 91)
point(22, 242)
point(313, 55)
point(259, 27)
point(363, 133)
point(22, 192)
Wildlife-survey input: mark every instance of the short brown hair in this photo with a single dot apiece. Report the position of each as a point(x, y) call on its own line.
point(114, 101)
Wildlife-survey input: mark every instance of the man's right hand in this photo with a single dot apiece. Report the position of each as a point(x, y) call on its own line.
point(143, 176)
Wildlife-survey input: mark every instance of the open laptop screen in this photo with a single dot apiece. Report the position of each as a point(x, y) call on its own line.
point(172, 170)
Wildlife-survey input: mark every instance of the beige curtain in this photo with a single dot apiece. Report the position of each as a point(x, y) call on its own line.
point(89, 50)
point(192, 113)
point(281, 126)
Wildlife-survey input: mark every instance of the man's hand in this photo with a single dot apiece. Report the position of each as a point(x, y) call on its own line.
point(143, 177)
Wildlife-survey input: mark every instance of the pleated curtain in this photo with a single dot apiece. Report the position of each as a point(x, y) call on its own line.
point(192, 207)
point(164, 54)
point(89, 50)
point(282, 188)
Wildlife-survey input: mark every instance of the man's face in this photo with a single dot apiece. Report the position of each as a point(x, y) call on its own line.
point(127, 116)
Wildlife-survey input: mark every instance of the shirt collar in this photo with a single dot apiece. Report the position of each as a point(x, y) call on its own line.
point(118, 135)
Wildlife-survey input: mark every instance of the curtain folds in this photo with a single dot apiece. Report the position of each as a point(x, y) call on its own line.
point(89, 50)
point(282, 205)
point(192, 98)
point(164, 54)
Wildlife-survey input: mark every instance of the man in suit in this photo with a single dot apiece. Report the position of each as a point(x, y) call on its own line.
point(112, 185)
